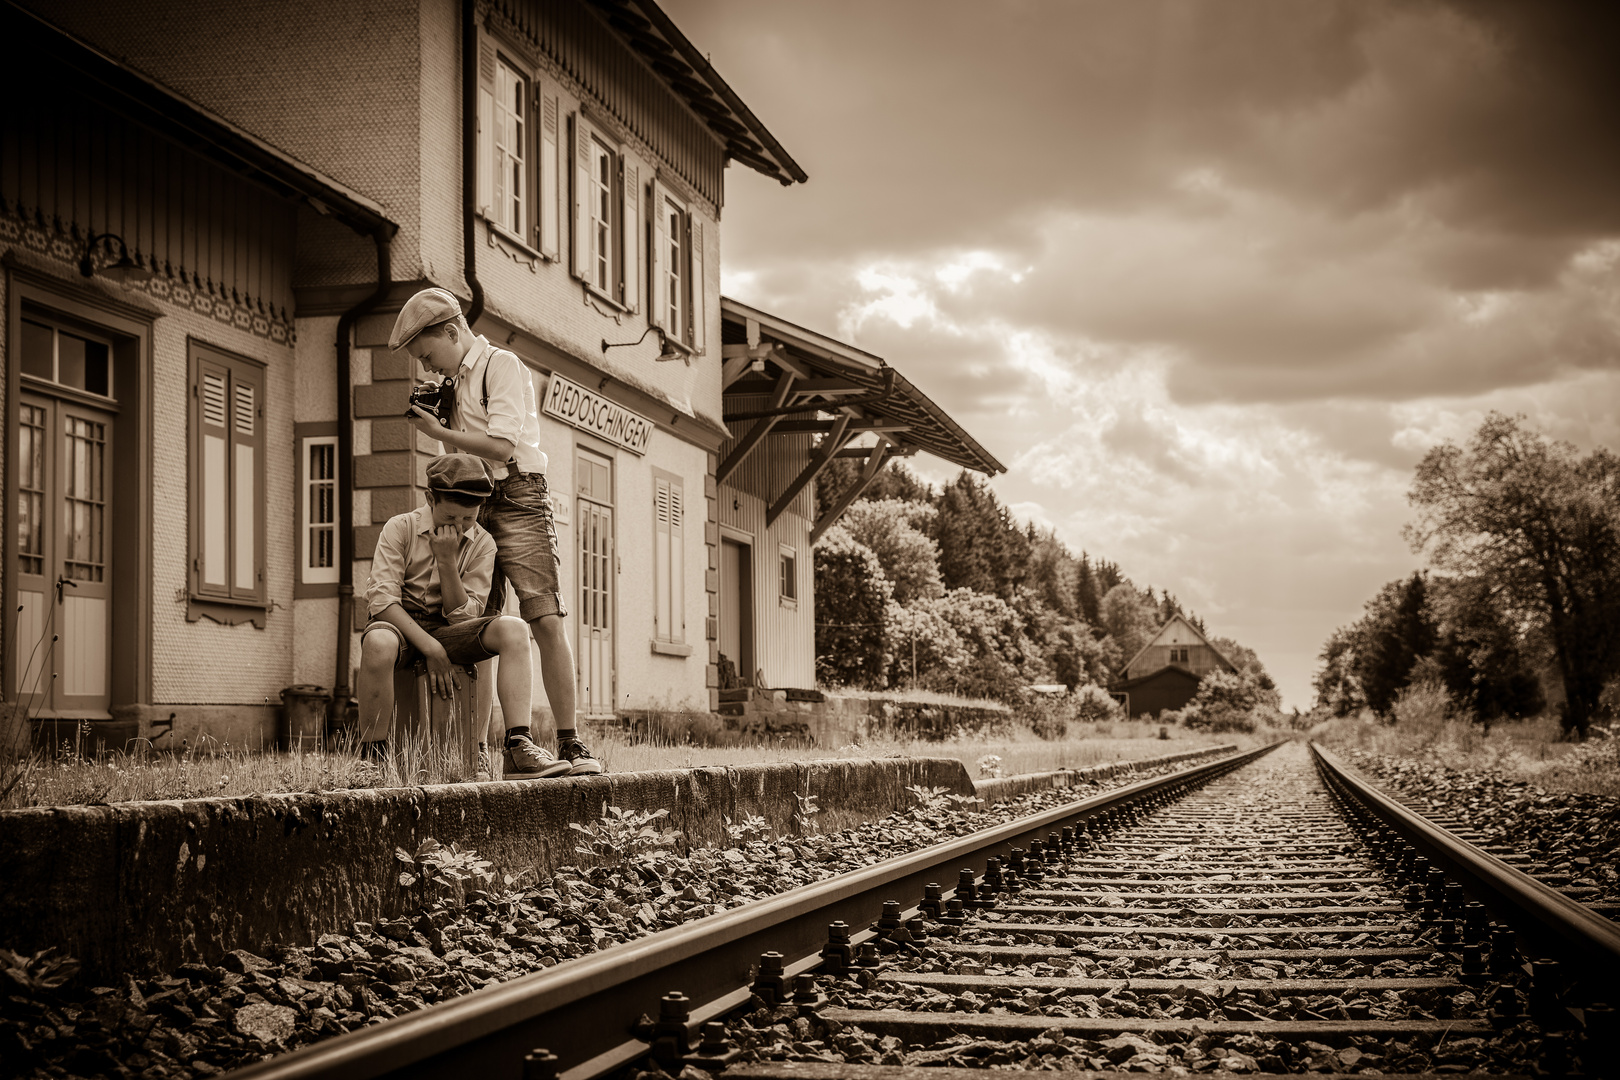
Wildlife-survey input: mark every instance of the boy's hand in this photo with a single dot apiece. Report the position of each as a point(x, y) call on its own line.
point(438, 666)
point(425, 421)
point(446, 540)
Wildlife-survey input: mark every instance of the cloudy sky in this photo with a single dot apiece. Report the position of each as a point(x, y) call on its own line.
point(1208, 277)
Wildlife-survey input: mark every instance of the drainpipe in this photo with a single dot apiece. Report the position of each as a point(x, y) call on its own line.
point(384, 239)
point(469, 157)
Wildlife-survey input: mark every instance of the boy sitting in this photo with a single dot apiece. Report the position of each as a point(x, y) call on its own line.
point(429, 579)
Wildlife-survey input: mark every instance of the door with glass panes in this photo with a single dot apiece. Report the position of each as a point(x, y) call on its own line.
point(65, 417)
point(598, 572)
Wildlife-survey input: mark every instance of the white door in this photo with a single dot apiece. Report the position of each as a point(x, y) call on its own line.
point(598, 570)
point(64, 579)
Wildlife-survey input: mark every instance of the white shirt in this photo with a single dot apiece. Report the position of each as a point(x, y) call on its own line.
point(513, 412)
point(404, 567)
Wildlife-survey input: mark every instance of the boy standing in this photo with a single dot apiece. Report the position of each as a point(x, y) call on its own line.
point(497, 418)
point(429, 578)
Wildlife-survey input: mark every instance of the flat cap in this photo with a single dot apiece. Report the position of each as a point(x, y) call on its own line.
point(463, 474)
point(427, 308)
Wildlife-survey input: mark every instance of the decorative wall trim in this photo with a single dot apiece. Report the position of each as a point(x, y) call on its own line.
point(172, 288)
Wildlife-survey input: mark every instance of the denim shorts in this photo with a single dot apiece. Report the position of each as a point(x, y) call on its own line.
point(463, 641)
point(519, 518)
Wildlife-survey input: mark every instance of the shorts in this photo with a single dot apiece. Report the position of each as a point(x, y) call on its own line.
point(463, 641)
point(518, 516)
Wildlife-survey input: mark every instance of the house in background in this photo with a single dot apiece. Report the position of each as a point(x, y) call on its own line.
point(795, 400)
point(1166, 672)
point(204, 250)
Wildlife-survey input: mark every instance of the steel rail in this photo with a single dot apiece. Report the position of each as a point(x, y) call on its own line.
point(1568, 931)
point(584, 1010)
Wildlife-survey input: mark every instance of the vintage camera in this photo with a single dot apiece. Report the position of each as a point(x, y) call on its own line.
point(438, 399)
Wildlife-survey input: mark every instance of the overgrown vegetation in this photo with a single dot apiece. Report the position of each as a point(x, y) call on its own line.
point(945, 591)
point(1523, 539)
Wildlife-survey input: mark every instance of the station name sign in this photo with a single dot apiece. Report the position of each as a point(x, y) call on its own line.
point(573, 404)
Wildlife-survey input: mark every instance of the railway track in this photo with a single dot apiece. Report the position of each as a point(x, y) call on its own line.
point(1264, 914)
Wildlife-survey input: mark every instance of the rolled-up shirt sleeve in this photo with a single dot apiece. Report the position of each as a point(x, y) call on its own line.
point(477, 567)
point(387, 584)
point(505, 374)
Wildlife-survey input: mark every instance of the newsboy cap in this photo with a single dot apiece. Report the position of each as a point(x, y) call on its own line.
point(463, 474)
point(427, 308)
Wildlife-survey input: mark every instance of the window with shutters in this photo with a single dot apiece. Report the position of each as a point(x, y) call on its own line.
point(669, 557)
point(677, 303)
point(226, 481)
point(607, 215)
point(788, 575)
point(518, 147)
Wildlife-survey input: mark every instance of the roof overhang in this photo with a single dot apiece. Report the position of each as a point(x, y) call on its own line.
point(830, 376)
point(152, 105)
point(689, 75)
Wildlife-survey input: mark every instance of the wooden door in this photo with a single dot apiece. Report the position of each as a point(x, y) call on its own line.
point(598, 572)
point(737, 607)
point(65, 572)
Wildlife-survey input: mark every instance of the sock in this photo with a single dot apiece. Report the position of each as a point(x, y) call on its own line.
point(565, 733)
point(375, 750)
point(513, 732)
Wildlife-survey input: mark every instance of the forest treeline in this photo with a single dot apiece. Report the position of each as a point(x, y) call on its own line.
point(1520, 606)
point(945, 590)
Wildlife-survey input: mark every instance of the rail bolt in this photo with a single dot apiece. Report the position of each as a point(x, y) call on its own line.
point(889, 921)
point(714, 1051)
point(1546, 986)
point(540, 1064)
point(867, 956)
point(933, 901)
point(806, 996)
point(1066, 839)
point(1473, 961)
point(966, 892)
point(1504, 951)
point(838, 953)
point(768, 981)
point(917, 927)
point(955, 914)
point(670, 1040)
point(1602, 1036)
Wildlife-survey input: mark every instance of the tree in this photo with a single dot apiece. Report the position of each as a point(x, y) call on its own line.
point(893, 481)
point(980, 546)
point(1404, 634)
point(851, 597)
point(1129, 619)
point(1481, 660)
point(1538, 526)
point(1338, 688)
point(894, 530)
point(1087, 596)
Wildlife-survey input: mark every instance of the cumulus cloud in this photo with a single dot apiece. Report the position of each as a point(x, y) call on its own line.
point(1209, 278)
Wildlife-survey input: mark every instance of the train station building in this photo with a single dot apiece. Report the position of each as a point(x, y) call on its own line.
point(208, 221)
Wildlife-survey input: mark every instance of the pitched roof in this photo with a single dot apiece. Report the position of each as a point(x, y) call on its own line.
point(884, 394)
point(1161, 631)
point(687, 72)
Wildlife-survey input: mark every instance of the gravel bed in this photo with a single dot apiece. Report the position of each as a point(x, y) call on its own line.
point(200, 1020)
point(1565, 833)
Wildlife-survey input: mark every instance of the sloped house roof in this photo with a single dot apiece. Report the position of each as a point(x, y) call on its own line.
point(1164, 673)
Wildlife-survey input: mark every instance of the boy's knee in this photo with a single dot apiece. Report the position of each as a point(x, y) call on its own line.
point(547, 628)
point(507, 632)
point(378, 652)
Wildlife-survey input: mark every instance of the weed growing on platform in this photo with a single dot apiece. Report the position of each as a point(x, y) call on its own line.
point(620, 835)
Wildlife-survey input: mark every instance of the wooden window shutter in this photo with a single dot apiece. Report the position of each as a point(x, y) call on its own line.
point(658, 294)
point(227, 480)
point(699, 308)
point(582, 195)
point(211, 561)
point(663, 617)
point(486, 128)
point(630, 197)
point(549, 196)
point(247, 483)
point(677, 564)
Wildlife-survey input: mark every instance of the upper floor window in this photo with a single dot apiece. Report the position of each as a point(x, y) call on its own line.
point(510, 175)
point(677, 303)
point(599, 199)
point(1178, 656)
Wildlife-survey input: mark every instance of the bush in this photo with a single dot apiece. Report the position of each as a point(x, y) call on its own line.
point(851, 598)
point(1048, 716)
point(1092, 703)
point(1224, 702)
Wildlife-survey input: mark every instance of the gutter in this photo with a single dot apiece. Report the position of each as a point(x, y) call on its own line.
point(469, 157)
point(383, 238)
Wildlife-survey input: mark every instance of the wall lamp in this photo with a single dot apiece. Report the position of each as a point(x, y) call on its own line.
point(666, 350)
point(125, 271)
